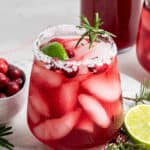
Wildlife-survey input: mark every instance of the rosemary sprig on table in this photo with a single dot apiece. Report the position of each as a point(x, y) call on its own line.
point(4, 131)
point(93, 32)
point(144, 94)
point(123, 142)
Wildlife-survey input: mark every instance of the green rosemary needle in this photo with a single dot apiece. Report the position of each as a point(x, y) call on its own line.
point(93, 32)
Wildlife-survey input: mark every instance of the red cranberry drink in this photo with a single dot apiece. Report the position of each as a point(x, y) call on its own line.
point(143, 40)
point(75, 95)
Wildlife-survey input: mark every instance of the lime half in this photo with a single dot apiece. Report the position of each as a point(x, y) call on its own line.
point(137, 122)
point(55, 49)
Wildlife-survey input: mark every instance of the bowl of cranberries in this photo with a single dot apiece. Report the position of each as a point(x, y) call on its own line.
point(12, 81)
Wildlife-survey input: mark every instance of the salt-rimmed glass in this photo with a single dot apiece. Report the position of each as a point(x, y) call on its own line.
point(75, 104)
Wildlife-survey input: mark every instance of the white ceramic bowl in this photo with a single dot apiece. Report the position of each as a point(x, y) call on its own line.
point(11, 105)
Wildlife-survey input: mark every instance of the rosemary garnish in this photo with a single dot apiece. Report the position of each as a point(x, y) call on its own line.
point(123, 142)
point(144, 94)
point(93, 32)
point(4, 131)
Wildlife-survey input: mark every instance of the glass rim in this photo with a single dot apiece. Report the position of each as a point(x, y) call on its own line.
point(52, 31)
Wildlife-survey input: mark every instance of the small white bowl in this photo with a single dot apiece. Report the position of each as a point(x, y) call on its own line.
point(10, 106)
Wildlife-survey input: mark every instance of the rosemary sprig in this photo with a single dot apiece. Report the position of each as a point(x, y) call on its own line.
point(125, 146)
point(4, 131)
point(123, 142)
point(93, 32)
point(144, 94)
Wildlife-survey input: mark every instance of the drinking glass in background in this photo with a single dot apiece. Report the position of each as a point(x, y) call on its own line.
point(143, 39)
point(121, 17)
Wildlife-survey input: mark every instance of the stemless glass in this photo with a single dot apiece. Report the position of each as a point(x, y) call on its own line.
point(75, 104)
point(121, 17)
point(143, 39)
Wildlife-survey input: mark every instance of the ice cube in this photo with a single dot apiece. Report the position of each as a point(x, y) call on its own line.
point(44, 77)
point(83, 69)
point(95, 110)
point(103, 86)
point(38, 101)
point(70, 44)
point(146, 23)
point(67, 97)
point(85, 124)
point(33, 115)
point(101, 50)
point(55, 129)
point(81, 52)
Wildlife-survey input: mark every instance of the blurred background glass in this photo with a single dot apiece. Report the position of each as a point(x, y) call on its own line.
point(143, 40)
point(121, 17)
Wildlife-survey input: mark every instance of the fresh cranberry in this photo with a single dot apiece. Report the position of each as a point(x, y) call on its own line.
point(98, 69)
point(103, 68)
point(14, 72)
point(2, 95)
point(12, 88)
point(19, 81)
point(71, 72)
point(3, 65)
point(3, 80)
point(70, 53)
point(53, 68)
point(92, 68)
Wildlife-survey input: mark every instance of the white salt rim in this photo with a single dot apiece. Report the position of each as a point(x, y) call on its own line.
point(65, 30)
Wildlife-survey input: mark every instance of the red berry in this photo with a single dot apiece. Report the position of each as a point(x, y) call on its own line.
point(2, 95)
point(71, 72)
point(103, 68)
point(53, 67)
point(70, 53)
point(14, 72)
point(92, 68)
point(98, 69)
point(19, 81)
point(3, 65)
point(3, 80)
point(12, 88)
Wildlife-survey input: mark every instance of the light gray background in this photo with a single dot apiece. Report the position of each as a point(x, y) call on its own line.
point(24, 19)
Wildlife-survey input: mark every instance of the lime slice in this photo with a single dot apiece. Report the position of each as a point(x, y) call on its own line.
point(137, 122)
point(55, 49)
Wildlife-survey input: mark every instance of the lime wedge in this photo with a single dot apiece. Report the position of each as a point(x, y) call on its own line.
point(137, 123)
point(55, 49)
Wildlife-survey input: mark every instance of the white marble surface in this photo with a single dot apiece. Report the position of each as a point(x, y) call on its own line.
point(20, 22)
